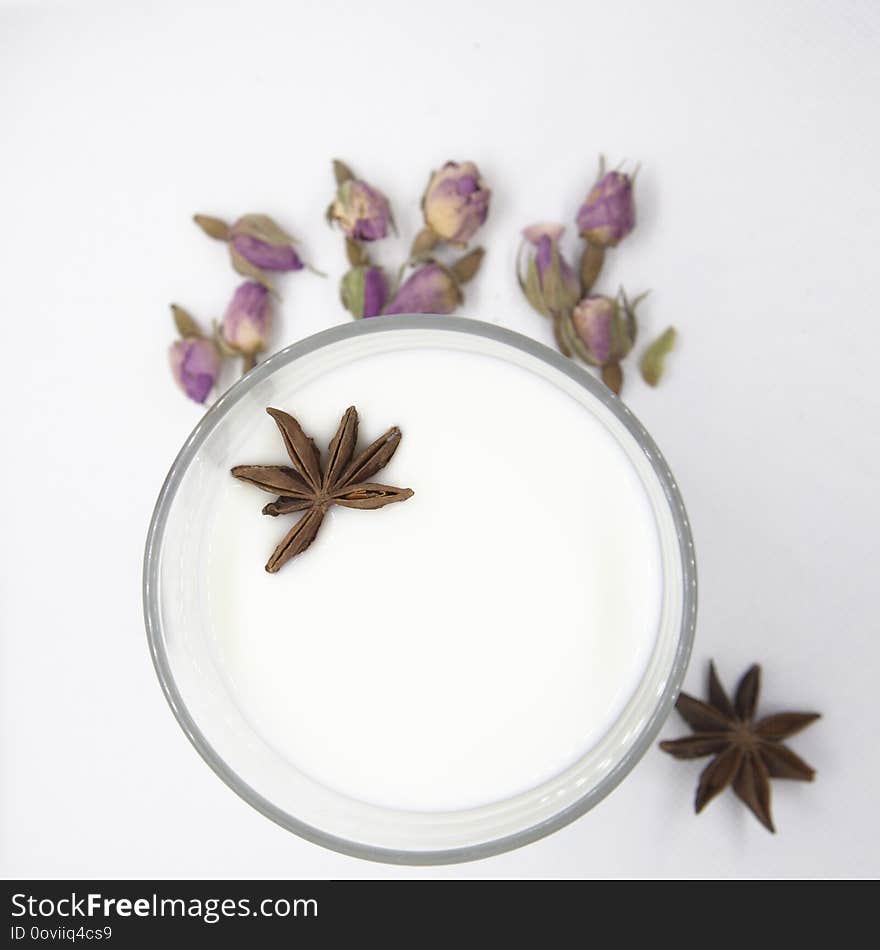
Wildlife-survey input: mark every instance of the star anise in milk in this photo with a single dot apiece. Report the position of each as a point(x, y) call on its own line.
point(309, 487)
point(746, 753)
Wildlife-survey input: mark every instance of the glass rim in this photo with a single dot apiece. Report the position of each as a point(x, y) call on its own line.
point(341, 333)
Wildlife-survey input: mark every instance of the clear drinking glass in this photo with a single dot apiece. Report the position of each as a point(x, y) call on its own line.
point(183, 650)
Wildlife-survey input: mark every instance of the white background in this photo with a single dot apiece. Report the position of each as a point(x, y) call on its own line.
point(756, 128)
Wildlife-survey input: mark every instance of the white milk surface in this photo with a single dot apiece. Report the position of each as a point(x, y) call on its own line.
point(465, 645)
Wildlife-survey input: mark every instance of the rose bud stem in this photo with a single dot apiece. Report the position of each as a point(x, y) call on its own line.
point(248, 362)
point(213, 227)
point(612, 376)
point(465, 268)
point(591, 265)
point(356, 253)
point(425, 241)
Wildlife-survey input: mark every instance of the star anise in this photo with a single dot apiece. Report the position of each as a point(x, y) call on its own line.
point(746, 753)
point(311, 488)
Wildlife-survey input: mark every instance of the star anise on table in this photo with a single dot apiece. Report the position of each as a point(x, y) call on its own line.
point(310, 487)
point(746, 753)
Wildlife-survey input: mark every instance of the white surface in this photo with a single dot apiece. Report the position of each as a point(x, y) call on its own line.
point(756, 128)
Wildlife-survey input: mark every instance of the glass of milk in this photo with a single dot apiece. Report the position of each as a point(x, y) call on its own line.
point(445, 678)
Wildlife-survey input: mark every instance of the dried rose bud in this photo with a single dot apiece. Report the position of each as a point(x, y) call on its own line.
point(608, 214)
point(548, 280)
point(605, 327)
point(361, 210)
point(429, 289)
point(245, 325)
point(456, 202)
point(271, 257)
point(257, 245)
point(364, 291)
point(195, 364)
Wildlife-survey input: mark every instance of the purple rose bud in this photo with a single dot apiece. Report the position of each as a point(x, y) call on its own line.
point(195, 364)
point(257, 245)
point(430, 289)
point(608, 214)
point(362, 211)
point(274, 257)
point(364, 291)
point(245, 324)
point(605, 329)
point(456, 202)
point(548, 280)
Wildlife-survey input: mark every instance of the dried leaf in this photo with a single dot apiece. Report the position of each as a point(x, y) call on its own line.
point(301, 449)
point(425, 241)
point(569, 333)
point(612, 376)
point(531, 287)
point(561, 329)
point(655, 356)
point(213, 227)
point(246, 269)
point(551, 283)
point(264, 228)
point(186, 325)
point(341, 172)
point(577, 344)
point(629, 330)
point(465, 268)
point(222, 345)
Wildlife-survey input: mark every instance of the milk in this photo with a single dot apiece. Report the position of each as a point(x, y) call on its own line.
point(465, 645)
